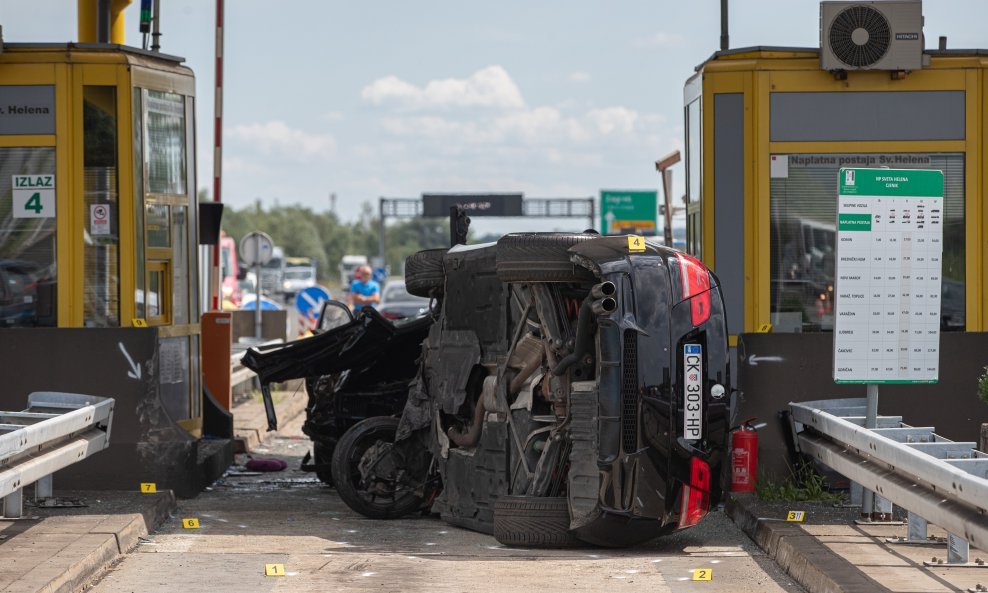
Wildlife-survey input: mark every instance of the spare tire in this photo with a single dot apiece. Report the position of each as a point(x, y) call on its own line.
point(541, 257)
point(424, 273)
point(533, 522)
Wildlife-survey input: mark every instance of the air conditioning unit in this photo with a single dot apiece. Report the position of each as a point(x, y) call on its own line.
point(875, 35)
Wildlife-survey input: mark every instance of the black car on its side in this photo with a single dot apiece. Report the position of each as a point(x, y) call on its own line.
point(570, 388)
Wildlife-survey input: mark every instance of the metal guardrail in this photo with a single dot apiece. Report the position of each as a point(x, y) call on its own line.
point(240, 374)
point(55, 431)
point(937, 480)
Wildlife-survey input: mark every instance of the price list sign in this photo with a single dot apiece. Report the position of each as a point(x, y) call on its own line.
point(889, 250)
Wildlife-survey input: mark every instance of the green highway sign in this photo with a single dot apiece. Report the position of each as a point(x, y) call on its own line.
point(628, 210)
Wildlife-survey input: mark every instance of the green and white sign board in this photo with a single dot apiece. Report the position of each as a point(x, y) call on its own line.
point(34, 196)
point(634, 210)
point(889, 250)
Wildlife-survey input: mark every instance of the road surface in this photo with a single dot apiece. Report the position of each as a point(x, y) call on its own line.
point(289, 518)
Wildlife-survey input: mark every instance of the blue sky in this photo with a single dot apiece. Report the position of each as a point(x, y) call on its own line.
point(369, 99)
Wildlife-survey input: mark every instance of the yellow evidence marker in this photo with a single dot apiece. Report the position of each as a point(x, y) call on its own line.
point(636, 243)
point(274, 570)
point(703, 574)
point(149, 487)
point(796, 516)
point(192, 523)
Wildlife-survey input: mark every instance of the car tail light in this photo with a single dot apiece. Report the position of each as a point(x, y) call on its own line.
point(696, 496)
point(696, 287)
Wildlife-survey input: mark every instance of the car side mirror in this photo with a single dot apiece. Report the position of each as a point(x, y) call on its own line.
point(333, 314)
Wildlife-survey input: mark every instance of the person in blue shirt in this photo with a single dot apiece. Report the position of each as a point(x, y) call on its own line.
point(364, 292)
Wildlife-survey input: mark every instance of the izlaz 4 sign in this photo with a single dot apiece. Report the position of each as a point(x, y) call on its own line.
point(889, 252)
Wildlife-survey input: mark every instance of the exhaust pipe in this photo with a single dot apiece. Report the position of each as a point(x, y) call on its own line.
point(602, 290)
point(604, 306)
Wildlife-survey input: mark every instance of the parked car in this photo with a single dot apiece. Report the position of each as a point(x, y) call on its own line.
point(575, 388)
point(19, 292)
point(398, 303)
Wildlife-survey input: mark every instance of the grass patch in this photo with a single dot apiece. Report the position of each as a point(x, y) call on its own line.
point(804, 484)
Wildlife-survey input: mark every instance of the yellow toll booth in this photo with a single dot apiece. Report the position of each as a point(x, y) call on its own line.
point(99, 281)
point(767, 130)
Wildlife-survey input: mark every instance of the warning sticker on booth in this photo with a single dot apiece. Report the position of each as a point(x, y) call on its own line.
point(99, 219)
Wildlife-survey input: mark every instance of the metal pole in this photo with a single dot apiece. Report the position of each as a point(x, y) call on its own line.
point(593, 214)
point(214, 271)
point(156, 27)
point(381, 227)
point(667, 191)
point(258, 333)
point(725, 41)
point(103, 21)
point(871, 422)
point(13, 504)
point(43, 488)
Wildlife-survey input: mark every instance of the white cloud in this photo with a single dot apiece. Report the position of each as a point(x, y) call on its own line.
point(276, 136)
point(579, 77)
point(489, 87)
point(612, 119)
point(660, 40)
point(538, 126)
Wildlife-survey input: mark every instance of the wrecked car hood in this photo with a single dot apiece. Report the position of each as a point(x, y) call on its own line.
point(368, 339)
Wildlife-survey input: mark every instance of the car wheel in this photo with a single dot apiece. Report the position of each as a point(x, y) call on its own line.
point(424, 274)
point(368, 445)
point(533, 521)
point(540, 257)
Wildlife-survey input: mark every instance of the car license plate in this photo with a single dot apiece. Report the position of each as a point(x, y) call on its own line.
point(692, 392)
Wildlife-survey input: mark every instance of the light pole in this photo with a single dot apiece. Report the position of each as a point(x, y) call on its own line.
point(663, 167)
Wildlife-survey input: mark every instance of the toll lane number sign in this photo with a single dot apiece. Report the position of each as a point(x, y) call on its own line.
point(33, 196)
point(889, 271)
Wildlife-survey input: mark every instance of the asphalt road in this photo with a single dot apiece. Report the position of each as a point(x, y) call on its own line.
point(289, 518)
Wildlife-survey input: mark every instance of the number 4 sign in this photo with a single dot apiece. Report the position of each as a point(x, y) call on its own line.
point(34, 196)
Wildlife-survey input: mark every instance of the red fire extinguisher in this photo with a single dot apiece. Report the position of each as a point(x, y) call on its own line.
point(744, 456)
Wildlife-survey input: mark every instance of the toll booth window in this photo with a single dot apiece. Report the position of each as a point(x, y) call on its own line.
point(165, 147)
point(158, 223)
point(694, 160)
point(27, 237)
point(803, 213)
point(158, 296)
point(101, 297)
point(180, 266)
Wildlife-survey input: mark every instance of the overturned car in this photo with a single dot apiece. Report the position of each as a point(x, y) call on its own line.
point(570, 388)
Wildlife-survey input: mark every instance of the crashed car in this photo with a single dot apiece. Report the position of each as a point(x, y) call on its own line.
point(354, 369)
point(573, 389)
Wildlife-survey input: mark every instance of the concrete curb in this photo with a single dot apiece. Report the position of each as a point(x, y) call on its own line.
point(61, 554)
point(801, 555)
point(250, 424)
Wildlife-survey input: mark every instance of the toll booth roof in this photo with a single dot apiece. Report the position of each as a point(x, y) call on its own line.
point(110, 48)
point(785, 52)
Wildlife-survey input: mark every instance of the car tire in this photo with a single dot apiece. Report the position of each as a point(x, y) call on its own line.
point(424, 273)
point(540, 257)
point(346, 473)
point(533, 522)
